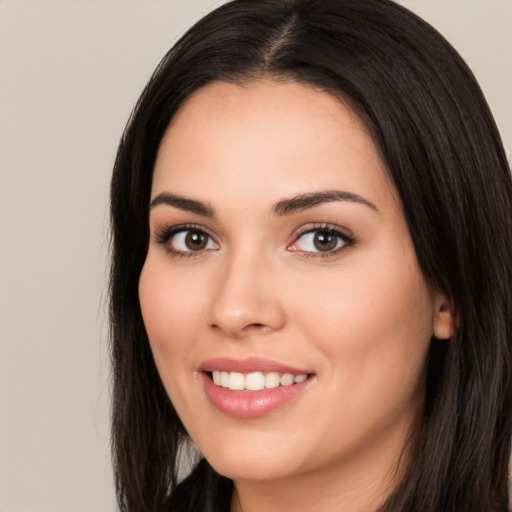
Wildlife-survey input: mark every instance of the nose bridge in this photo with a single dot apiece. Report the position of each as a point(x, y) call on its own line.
point(244, 299)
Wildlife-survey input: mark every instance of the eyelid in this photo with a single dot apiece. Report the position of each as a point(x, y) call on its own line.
point(164, 234)
point(345, 234)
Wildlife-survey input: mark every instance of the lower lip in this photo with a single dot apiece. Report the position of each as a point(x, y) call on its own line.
point(251, 404)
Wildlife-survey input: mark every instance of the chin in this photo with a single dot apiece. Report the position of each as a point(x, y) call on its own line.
point(256, 464)
point(255, 471)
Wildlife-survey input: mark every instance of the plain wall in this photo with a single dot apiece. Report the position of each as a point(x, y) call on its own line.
point(70, 73)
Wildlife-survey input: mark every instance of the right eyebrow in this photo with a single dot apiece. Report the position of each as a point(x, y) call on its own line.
point(182, 203)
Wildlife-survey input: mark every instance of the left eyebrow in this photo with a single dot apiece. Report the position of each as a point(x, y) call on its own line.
point(304, 201)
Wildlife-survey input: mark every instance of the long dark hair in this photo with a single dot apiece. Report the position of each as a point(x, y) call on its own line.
point(443, 152)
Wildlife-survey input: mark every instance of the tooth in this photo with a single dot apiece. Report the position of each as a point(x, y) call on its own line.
point(286, 379)
point(254, 381)
point(271, 380)
point(236, 381)
point(224, 379)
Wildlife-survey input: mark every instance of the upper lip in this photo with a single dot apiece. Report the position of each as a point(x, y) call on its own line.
point(249, 365)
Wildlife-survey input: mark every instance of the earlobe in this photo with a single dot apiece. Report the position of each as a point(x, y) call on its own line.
point(444, 318)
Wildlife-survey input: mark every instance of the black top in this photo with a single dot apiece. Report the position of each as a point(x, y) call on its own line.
point(203, 490)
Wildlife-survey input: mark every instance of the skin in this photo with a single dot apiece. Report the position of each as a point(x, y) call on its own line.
point(360, 317)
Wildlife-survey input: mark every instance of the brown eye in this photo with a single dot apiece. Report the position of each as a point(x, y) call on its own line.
point(321, 241)
point(195, 241)
point(324, 241)
point(190, 240)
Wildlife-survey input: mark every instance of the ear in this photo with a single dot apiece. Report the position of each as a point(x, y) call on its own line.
point(444, 317)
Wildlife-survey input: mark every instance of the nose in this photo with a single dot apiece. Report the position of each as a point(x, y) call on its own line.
point(245, 299)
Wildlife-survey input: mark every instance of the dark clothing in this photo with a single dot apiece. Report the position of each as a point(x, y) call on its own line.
point(203, 490)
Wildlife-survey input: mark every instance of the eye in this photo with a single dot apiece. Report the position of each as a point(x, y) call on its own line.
point(321, 240)
point(184, 241)
point(180, 240)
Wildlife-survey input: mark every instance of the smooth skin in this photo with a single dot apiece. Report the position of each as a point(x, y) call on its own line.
point(239, 278)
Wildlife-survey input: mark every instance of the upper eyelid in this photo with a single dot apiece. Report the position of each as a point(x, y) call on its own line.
point(168, 231)
point(346, 235)
point(309, 228)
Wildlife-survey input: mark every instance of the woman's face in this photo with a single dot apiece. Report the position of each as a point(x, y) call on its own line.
point(281, 265)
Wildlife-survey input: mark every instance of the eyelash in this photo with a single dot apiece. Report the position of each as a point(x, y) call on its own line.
point(330, 229)
point(163, 236)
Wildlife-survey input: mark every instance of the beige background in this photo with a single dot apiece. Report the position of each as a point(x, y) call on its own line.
point(70, 72)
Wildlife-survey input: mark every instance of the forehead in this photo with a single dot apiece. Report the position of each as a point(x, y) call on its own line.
point(284, 134)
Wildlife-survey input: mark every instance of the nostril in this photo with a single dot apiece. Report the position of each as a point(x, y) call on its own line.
point(255, 327)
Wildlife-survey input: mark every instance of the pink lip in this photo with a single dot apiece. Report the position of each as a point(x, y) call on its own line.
point(248, 365)
point(250, 404)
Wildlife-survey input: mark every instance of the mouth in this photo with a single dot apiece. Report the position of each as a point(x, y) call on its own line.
point(255, 381)
point(252, 387)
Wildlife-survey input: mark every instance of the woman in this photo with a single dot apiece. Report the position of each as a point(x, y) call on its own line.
point(311, 218)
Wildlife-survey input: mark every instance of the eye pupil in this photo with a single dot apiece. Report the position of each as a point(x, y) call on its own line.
point(325, 241)
point(195, 241)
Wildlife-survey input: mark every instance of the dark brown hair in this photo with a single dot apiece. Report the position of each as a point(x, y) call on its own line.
point(443, 152)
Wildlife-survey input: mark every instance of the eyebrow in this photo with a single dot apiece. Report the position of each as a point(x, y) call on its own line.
point(285, 207)
point(182, 203)
point(304, 201)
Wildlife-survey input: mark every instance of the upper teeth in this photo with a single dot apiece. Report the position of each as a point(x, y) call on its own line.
point(256, 380)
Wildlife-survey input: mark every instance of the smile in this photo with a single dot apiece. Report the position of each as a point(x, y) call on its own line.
point(255, 381)
point(253, 387)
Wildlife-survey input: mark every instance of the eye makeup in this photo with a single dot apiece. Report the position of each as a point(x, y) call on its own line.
point(321, 240)
point(185, 240)
point(312, 240)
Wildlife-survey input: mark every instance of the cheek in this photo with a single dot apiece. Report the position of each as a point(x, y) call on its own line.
point(376, 325)
point(374, 336)
point(170, 310)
